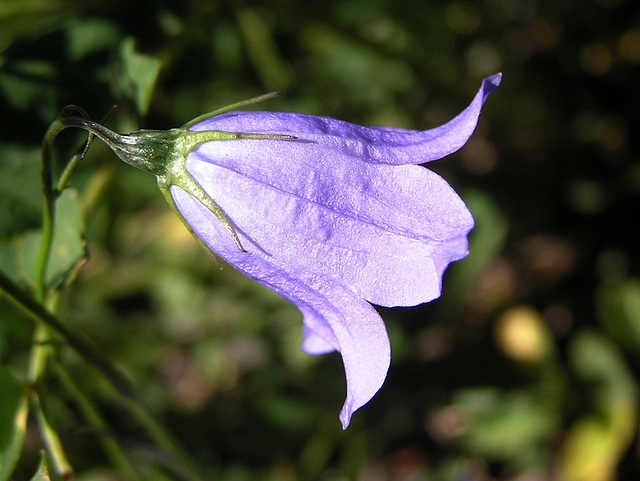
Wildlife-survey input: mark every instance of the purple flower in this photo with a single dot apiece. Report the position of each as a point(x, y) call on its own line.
point(334, 220)
point(332, 216)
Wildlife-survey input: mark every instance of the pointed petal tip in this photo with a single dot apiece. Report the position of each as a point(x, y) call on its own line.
point(493, 82)
point(345, 415)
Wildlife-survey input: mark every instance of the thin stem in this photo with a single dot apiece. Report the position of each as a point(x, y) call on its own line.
point(40, 353)
point(64, 177)
point(164, 440)
point(48, 219)
point(96, 421)
point(236, 106)
point(41, 350)
point(44, 317)
point(52, 441)
point(75, 111)
point(51, 193)
point(38, 359)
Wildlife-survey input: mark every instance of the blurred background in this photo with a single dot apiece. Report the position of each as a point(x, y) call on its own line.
point(525, 369)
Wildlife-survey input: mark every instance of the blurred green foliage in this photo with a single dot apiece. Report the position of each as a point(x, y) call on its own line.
point(526, 368)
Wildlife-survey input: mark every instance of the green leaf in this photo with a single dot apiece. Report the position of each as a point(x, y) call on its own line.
point(13, 421)
point(20, 207)
point(600, 364)
point(29, 86)
point(596, 442)
point(507, 426)
point(20, 191)
point(28, 17)
point(140, 72)
point(69, 249)
point(87, 36)
point(19, 252)
point(619, 312)
point(363, 73)
point(43, 470)
point(262, 50)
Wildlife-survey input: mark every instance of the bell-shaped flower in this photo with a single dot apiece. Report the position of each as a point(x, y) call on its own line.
point(332, 216)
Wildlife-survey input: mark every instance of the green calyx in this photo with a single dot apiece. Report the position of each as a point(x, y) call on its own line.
point(164, 153)
point(175, 173)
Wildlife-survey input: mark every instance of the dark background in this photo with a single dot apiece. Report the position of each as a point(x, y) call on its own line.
point(526, 368)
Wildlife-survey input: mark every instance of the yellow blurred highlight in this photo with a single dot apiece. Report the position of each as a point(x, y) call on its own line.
point(175, 232)
point(522, 335)
point(594, 445)
point(597, 441)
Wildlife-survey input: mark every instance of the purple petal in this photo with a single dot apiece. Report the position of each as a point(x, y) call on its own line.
point(314, 344)
point(387, 231)
point(377, 145)
point(334, 317)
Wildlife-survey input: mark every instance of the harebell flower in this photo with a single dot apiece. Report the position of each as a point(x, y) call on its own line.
point(332, 216)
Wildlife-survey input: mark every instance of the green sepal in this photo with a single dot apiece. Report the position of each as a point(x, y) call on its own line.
point(164, 153)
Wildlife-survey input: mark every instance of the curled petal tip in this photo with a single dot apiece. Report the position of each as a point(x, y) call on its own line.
point(493, 82)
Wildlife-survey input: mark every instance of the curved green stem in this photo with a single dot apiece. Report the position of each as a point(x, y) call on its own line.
point(41, 350)
point(48, 219)
point(64, 177)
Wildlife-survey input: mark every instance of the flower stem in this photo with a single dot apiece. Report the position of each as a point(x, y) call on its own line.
point(52, 442)
point(95, 420)
point(41, 350)
point(64, 177)
point(45, 318)
point(236, 106)
point(48, 218)
point(40, 353)
point(180, 461)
